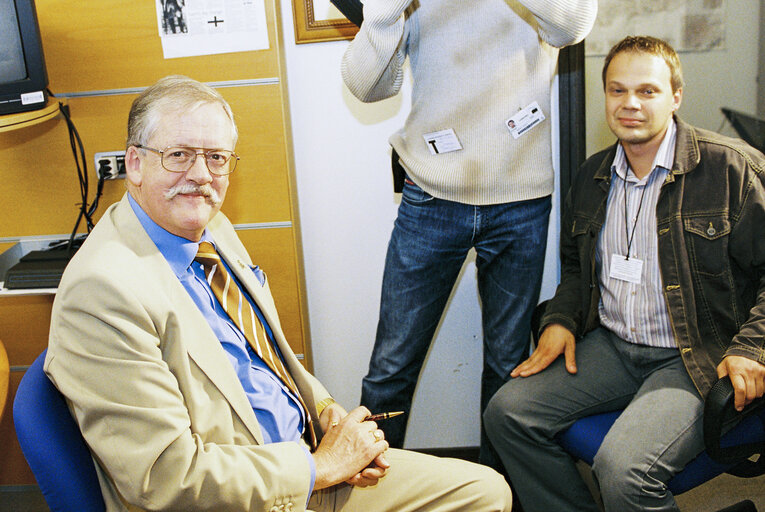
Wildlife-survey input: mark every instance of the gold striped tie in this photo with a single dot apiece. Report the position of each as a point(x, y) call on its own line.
point(240, 311)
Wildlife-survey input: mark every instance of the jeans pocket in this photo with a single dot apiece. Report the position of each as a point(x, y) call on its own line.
point(414, 195)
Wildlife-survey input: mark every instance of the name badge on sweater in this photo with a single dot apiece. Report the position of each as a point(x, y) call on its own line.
point(525, 120)
point(630, 270)
point(443, 141)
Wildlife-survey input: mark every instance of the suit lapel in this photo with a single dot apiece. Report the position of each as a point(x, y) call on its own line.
point(208, 354)
point(198, 338)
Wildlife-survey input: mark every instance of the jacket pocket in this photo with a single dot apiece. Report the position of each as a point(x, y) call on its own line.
point(707, 238)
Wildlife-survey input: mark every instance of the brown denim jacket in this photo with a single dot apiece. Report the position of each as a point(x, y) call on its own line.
point(711, 243)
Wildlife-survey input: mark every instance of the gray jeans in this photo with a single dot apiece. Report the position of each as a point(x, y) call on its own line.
point(658, 433)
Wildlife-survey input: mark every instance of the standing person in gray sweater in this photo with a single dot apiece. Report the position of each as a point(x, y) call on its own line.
point(477, 156)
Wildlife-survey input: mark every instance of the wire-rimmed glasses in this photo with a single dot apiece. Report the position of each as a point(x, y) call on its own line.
point(181, 158)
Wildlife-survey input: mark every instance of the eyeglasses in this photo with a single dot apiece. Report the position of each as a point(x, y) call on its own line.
point(180, 158)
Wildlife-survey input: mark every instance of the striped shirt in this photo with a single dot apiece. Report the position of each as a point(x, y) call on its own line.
point(635, 312)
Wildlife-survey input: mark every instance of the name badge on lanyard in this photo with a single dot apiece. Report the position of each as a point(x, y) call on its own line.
point(626, 269)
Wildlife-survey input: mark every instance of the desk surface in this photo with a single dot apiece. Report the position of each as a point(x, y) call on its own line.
point(24, 119)
point(25, 291)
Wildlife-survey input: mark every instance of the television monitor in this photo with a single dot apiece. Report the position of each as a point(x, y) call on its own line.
point(748, 127)
point(23, 77)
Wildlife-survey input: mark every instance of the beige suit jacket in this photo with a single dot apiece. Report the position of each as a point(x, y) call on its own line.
point(151, 387)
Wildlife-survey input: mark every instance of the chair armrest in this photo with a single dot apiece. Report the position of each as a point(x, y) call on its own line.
point(718, 410)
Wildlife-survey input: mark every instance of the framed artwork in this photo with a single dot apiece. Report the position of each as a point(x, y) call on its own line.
point(319, 20)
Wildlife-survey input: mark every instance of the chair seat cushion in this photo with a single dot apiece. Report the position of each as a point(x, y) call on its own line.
point(583, 439)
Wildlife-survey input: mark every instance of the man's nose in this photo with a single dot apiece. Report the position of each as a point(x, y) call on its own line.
point(199, 173)
point(631, 101)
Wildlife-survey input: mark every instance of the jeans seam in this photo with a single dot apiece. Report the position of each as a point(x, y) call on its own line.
point(577, 415)
point(476, 222)
point(659, 456)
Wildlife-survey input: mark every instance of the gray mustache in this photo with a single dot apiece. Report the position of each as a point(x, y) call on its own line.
point(189, 188)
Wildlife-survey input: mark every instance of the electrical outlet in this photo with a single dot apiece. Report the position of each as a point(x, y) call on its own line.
point(110, 164)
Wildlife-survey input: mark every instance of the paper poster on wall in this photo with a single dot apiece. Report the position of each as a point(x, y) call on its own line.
point(688, 25)
point(205, 27)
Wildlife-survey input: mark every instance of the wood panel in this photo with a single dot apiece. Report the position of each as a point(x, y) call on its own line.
point(271, 249)
point(24, 321)
point(13, 466)
point(44, 195)
point(113, 44)
point(112, 48)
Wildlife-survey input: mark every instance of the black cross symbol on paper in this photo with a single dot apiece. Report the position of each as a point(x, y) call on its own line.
point(215, 21)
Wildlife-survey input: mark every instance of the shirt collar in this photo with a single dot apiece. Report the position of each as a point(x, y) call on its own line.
point(178, 251)
point(664, 158)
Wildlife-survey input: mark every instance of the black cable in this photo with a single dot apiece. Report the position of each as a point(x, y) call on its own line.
point(78, 152)
point(99, 191)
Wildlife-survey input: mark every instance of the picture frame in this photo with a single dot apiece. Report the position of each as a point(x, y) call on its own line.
point(319, 21)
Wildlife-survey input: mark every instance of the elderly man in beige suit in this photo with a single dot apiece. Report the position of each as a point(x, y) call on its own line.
point(180, 408)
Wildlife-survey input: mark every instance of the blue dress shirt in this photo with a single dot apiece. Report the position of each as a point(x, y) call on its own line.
point(278, 411)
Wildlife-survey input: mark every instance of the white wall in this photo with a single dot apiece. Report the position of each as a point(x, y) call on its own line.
point(724, 78)
point(347, 208)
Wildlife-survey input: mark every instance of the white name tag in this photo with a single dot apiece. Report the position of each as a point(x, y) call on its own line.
point(630, 270)
point(443, 141)
point(525, 120)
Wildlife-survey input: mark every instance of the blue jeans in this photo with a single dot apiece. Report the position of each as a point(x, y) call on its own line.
point(658, 433)
point(430, 241)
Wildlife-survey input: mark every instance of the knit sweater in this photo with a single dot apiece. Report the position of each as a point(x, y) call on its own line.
point(475, 63)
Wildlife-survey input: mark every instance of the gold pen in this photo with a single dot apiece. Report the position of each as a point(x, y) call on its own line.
point(382, 416)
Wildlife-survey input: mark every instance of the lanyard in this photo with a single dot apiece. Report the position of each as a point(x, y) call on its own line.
point(631, 237)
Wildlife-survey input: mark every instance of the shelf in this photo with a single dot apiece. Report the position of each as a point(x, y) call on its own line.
point(5, 292)
point(10, 122)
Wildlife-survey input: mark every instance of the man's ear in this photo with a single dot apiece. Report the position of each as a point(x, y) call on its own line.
point(677, 98)
point(133, 166)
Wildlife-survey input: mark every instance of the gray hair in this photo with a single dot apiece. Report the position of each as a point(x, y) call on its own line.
point(175, 93)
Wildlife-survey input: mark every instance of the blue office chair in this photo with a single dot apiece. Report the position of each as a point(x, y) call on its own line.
point(724, 454)
point(53, 445)
point(727, 453)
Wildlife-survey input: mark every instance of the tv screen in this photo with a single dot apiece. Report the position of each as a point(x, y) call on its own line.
point(23, 77)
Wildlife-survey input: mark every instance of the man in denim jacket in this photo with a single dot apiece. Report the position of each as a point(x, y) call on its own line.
point(662, 291)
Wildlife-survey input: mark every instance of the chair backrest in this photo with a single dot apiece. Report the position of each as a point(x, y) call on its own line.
point(53, 445)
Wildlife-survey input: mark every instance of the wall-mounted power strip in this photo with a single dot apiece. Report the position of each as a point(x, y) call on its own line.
point(110, 164)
